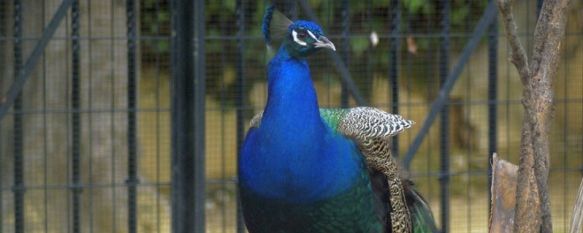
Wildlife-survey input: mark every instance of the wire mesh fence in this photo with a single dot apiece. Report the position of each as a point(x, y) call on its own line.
point(89, 143)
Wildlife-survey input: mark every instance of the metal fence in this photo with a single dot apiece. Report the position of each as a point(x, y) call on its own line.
point(126, 116)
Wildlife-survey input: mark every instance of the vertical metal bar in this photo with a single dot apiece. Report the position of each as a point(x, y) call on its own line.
point(394, 44)
point(113, 135)
point(370, 56)
point(492, 99)
point(90, 120)
point(68, 129)
point(290, 8)
point(76, 118)
point(132, 180)
point(539, 5)
point(188, 59)
point(444, 119)
point(18, 187)
point(2, 183)
point(45, 134)
point(344, 94)
point(240, 100)
point(158, 12)
point(199, 115)
point(3, 43)
point(182, 112)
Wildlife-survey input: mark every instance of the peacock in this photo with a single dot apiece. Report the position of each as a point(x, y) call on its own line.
point(304, 169)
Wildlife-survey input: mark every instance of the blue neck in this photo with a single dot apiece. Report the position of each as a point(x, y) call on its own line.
point(292, 100)
point(293, 155)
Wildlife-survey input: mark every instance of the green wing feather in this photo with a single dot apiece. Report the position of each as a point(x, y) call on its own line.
point(422, 218)
point(333, 116)
point(353, 210)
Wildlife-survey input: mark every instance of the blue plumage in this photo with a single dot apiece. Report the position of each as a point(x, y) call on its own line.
point(267, 22)
point(294, 155)
point(299, 172)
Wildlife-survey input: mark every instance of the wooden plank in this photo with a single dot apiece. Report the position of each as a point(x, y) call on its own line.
point(577, 216)
point(504, 178)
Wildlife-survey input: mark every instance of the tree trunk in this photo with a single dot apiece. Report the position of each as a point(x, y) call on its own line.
point(533, 212)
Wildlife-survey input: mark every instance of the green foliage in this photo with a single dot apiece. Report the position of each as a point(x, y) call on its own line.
point(418, 6)
point(359, 45)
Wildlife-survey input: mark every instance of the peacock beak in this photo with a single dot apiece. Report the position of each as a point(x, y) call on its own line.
point(323, 42)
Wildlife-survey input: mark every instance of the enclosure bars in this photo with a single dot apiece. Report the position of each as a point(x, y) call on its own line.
point(2, 155)
point(492, 99)
point(288, 7)
point(487, 18)
point(394, 45)
point(31, 61)
point(1, 185)
point(345, 49)
point(444, 117)
point(75, 187)
point(199, 120)
point(539, 5)
point(21, 75)
point(188, 105)
point(132, 180)
point(18, 187)
point(240, 101)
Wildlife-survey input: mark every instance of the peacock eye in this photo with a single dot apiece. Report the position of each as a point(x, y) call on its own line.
point(302, 35)
point(299, 37)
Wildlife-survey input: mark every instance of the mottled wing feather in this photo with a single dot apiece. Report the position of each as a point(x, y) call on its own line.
point(256, 120)
point(371, 129)
point(373, 123)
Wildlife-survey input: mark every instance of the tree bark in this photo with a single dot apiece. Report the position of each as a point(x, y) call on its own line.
point(533, 212)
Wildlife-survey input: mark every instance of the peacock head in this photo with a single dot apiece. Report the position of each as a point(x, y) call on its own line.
point(304, 38)
point(300, 38)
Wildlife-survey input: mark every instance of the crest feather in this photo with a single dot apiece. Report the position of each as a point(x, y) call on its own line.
point(275, 25)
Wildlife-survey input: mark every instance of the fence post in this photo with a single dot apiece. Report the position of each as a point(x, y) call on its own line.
point(394, 44)
point(18, 187)
point(199, 116)
point(492, 100)
point(290, 8)
point(132, 180)
point(76, 118)
point(240, 101)
point(345, 53)
point(188, 105)
point(444, 120)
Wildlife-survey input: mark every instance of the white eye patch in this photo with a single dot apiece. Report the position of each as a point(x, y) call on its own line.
point(312, 35)
point(297, 40)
